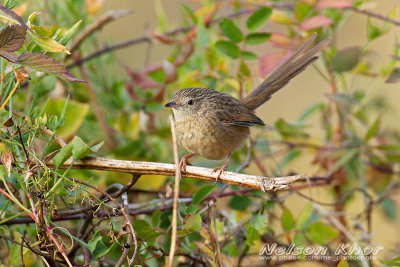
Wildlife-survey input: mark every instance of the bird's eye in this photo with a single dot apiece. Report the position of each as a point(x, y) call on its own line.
point(191, 102)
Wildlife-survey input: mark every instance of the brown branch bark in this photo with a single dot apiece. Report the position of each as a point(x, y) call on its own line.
point(141, 167)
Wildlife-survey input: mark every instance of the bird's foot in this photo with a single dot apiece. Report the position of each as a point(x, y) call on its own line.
point(220, 169)
point(184, 162)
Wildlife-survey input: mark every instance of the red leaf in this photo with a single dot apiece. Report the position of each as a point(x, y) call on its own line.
point(11, 16)
point(334, 4)
point(315, 22)
point(280, 40)
point(47, 64)
point(162, 38)
point(141, 79)
point(12, 38)
point(272, 60)
point(9, 56)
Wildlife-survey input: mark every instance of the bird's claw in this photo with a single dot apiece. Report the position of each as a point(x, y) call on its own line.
point(184, 162)
point(220, 169)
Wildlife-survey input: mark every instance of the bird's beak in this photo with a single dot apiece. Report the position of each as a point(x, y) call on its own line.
point(171, 104)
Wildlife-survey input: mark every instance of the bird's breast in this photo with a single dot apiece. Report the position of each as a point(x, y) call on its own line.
point(206, 136)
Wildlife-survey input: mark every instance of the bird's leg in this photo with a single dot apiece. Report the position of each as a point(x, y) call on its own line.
point(184, 162)
point(222, 168)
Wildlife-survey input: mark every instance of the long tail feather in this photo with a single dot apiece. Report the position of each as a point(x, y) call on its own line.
point(300, 59)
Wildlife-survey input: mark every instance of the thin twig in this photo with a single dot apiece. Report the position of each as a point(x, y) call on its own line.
point(97, 25)
point(376, 15)
point(176, 195)
point(134, 41)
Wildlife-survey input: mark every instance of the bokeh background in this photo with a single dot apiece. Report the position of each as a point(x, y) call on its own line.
point(304, 91)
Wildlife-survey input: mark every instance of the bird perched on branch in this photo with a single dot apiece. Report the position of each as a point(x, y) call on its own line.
point(212, 124)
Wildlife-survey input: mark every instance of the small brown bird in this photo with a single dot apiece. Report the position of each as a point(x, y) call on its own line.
point(212, 124)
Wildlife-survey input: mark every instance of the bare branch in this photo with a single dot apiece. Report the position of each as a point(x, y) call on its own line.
point(376, 15)
point(141, 167)
point(98, 24)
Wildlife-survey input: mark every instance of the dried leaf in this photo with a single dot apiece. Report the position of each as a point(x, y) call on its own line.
point(12, 38)
point(11, 16)
point(93, 6)
point(47, 64)
point(21, 9)
point(20, 75)
point(170, 71)
point(315, 22)
point(140, 79)
point(9, 122)
point(6, 160)
point(28, 175)
point(341, 4)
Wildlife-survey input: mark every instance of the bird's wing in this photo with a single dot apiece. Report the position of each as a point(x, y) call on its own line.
point(238, 115)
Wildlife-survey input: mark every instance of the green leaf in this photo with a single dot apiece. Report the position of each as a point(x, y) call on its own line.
point(321, 233)
point(287, 220)
point(289, 157)
point(155, 218)
point(97, 247)
point(14, 259)
point(258, 18)
point(346, 59)
point(394, 76)
point(240, 202)
point(189, 11)
point(230, 30)
point(290, 129)
point(344, 159)
point(62, 156)
point(251, 234)
point(257, 38)
point(144, 231)
point(46, 43)
point(47, 64)
point(259, 222)
point(389, 208)
point(12, 38)
point(244, 69)
point(304, 216)
point(373, 32)
point(74, 115)
point(372, 131)
point(68, 34)
point(202, 193)
point(79, 148)
point(311, 110)
point(228, 48)
point(343, 263)
point(393, 262)
point(247, 55)
point(3, 173)
point(191, 224)
point(97, 147)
